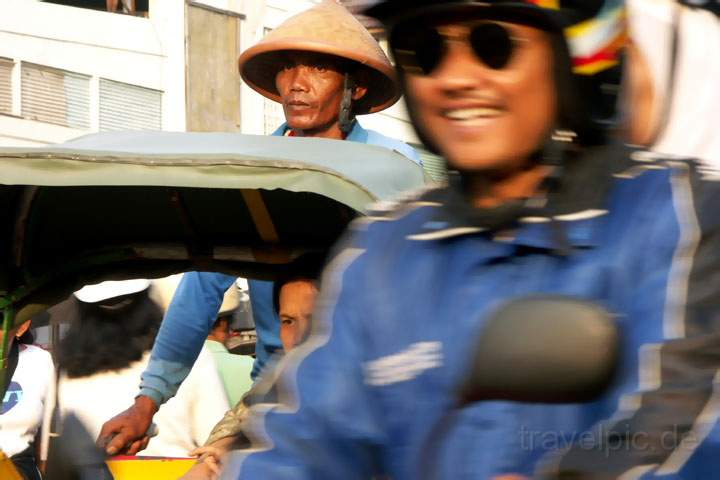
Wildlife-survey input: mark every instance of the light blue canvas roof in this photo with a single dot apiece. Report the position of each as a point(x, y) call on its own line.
point(351, 173)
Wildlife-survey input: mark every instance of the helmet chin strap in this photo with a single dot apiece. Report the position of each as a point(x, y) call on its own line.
point(555, 153)
point(346, 117)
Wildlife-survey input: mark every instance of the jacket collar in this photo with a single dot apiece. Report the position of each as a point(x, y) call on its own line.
point(571, 214)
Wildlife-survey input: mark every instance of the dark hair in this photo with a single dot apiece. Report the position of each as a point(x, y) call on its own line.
point(279, 284)
point(307, 267)
point(110, 335)
point(26, 338)
point(223, 318)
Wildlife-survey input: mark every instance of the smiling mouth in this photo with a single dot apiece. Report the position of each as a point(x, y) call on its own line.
point(469, 116)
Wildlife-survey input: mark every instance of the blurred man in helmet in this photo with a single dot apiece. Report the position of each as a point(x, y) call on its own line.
point(510, 92)
point(325, 68)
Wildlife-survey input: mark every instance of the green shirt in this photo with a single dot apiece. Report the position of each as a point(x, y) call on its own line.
point(234, 370)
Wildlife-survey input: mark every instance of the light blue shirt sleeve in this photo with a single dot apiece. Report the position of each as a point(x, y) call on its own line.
point(188, 321)
point(375, 138)
point(267, 324)
point(371, 137)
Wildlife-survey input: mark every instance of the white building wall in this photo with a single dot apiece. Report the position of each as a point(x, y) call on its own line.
point(147, 52)
point(167, 18)
point(133, 50)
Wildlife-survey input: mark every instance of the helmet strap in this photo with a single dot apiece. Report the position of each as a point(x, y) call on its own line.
point(346, 116)
point(557, 146)
point(555, 154)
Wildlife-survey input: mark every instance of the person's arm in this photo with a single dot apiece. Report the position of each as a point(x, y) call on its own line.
point(187, 323)
point(209, 463)
point(666, 429)
point(231, 423)
point(267, 324)
point(318, 419)
point(185, 421)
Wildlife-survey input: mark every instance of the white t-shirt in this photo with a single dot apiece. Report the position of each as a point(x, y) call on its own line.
point(22, 408)
point(692, 128)
point(184, 422)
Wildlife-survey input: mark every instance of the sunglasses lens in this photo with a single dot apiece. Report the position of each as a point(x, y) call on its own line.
point(417, 50)
point(493, 44)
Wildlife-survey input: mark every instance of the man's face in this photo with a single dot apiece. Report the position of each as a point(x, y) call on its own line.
point(221, 332)
point(481, 118)
point(311, 88)
point(296, 304)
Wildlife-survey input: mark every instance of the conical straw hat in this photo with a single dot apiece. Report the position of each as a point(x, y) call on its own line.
point(326, 28)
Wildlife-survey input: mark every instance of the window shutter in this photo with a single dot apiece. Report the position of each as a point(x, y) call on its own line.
point(273, 116)
point(129, 107)
point(55, 96)
point(6, 66)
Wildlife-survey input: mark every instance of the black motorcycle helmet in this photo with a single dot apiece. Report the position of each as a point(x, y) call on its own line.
point(587, 36)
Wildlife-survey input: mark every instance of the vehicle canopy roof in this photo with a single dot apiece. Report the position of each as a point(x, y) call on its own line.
point(148, 204)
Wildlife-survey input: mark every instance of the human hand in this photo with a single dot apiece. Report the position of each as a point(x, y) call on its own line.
point(126, 433)
point(210, 455)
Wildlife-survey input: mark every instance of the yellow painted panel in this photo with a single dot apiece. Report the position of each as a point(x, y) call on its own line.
point(7, 469)
point(149, 468)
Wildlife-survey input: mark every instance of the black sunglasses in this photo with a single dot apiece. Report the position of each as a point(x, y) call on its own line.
point(420, 49)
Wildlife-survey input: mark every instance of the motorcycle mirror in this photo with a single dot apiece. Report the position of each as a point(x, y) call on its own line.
point(543, 349)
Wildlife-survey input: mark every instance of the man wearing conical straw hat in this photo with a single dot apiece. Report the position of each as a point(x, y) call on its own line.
point(324, 68)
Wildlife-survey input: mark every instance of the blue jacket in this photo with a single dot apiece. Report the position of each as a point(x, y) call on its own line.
point(407, 295)
point(194, 308)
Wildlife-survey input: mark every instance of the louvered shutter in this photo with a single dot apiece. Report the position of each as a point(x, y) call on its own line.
point(273, 116)
point(129, 107)
point(55, 96)
point(6, 66)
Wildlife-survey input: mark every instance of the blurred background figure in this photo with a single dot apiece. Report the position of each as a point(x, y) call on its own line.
point(235, 370)
point(103, 355)
point(674, 67)
point(126, 6)
point(30, 375)
point(294, 300)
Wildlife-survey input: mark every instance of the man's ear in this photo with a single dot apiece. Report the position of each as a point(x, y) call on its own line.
point(359, 92)
point(641, 101)
point(22, 329)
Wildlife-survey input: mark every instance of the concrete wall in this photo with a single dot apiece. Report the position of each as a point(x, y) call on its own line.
point(213, 86)
point(146, 52)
